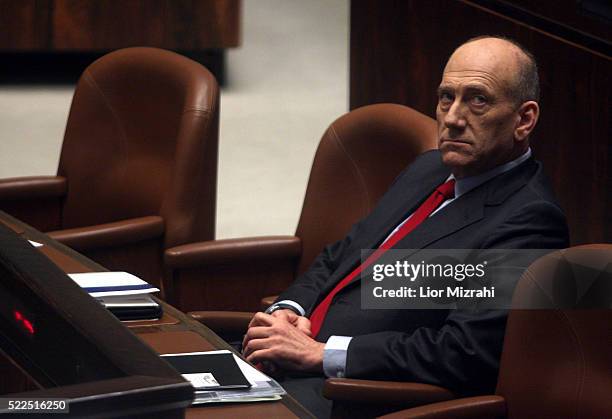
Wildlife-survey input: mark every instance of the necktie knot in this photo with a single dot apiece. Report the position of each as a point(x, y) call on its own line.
point(447, 189)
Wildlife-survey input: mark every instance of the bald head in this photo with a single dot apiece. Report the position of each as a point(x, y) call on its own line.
point(514, 65)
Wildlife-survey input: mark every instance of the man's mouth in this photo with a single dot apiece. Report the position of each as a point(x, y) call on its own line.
point(455, 140)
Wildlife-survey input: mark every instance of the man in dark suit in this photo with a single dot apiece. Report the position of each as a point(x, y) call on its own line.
point(480, 190)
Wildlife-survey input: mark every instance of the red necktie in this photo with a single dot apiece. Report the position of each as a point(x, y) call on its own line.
point(441, 194)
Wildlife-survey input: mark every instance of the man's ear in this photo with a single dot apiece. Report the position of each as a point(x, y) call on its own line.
point(528, 114)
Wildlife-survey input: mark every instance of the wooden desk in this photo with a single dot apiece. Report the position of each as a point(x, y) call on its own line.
point(174, 332)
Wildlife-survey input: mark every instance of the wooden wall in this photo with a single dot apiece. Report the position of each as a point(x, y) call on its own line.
point(94, 25)
point(399, 49)
point(54, 40)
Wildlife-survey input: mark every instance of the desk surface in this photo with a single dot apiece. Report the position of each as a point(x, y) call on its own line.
point(174, 332)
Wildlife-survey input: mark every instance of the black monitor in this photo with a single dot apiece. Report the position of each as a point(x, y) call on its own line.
point(72, 347)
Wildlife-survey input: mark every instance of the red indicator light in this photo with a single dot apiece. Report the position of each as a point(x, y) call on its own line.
point(28, 325)
point(25, 323)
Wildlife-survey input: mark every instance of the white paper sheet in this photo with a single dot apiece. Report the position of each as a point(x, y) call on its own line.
point(110, 280)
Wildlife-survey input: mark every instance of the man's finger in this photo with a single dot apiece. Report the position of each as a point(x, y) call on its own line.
point(260, 356)
point(261, 319)
point(256, 345)
point(253, 321)
point(285, 314)
point(303, 324)
point(257, 332)
point(307, 332)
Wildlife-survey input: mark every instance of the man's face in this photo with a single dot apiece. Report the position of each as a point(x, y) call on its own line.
point(476, 115)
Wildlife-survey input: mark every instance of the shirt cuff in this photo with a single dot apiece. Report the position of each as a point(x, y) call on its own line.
point(293, 304)
point(334, 356)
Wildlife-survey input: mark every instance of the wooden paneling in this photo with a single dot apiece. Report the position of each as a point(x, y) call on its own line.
point(24, 24)
point(399, 49)
point(585, 16)
point(93, 25)
point(222, 22)
point(172, 24)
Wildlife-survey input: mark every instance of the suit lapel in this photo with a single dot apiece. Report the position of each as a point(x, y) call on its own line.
point(468, 208)
point(419, 193)
point(465, 210)
point(460, 213)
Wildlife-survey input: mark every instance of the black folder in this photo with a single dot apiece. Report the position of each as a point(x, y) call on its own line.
point(221, 365)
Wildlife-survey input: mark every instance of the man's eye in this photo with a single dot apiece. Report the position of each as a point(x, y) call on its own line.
point(445, 98)
point(479, 100)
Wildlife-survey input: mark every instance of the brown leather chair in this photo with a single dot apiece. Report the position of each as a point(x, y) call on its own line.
point(138, 166)
point(556, 363)
point(358, 157)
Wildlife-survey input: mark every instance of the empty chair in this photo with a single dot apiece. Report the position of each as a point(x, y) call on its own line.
point(138, 166)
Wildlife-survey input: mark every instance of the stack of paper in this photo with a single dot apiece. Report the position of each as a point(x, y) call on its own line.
point(125, 295)
point(262, 387)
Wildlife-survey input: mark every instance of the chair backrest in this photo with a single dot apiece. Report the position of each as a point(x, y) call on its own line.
point(359, 156)
point(142, 139)
point(557, 363)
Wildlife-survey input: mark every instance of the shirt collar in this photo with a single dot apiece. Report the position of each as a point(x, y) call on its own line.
point(464, 185)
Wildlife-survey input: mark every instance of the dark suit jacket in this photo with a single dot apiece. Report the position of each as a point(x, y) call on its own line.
point(456, 349)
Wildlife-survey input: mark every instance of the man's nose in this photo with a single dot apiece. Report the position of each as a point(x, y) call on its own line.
point(455, 118)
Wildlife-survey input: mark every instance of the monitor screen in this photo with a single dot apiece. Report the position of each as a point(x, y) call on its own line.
point(33, 332)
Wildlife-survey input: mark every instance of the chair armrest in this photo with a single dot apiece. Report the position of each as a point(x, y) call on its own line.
point(33, 187)
point(384, 392)
point(230, 274)
point(35, 200)
point(111, 234)
point(215, 252)
point(227, 324)
point(480, 407)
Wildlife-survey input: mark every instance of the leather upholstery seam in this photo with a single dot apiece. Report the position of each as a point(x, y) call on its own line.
point(123, 143)
point(201, 171)
point(575, 340)
point(580, 388)
point(355, 168)
point(188, 218)
point(197, 110)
